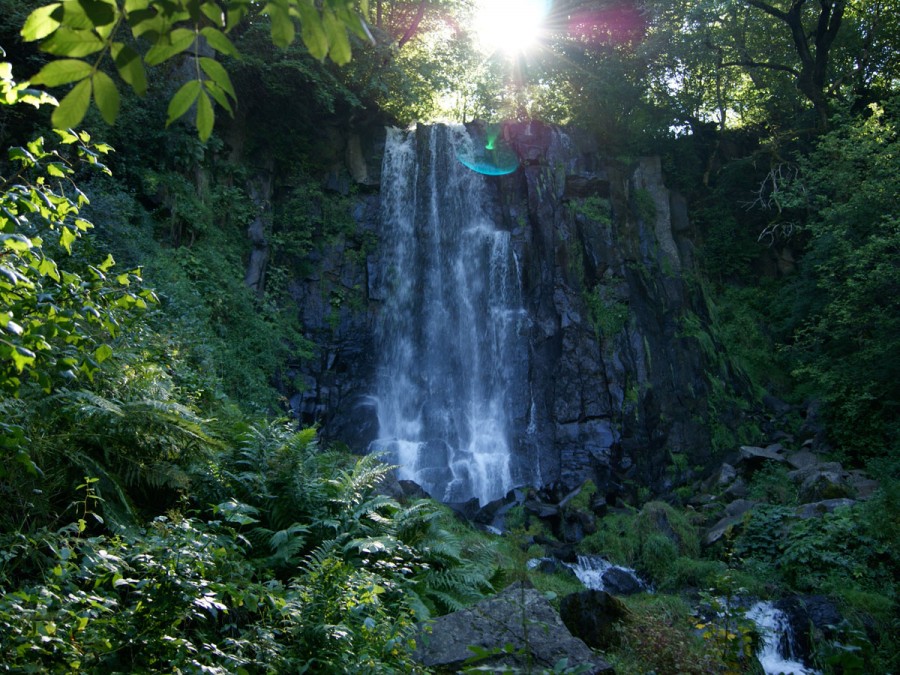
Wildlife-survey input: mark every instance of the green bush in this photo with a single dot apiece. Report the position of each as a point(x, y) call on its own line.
point(648, 540)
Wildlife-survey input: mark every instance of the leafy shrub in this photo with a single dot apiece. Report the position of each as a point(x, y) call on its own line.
point(649, 540)
point(659, 637)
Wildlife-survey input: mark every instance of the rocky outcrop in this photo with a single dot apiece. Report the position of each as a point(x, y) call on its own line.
point(619, 353)
point(517, 628)
point(593, 616)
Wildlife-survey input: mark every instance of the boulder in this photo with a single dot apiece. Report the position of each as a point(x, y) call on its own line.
point(753, 458)
point(817, 509)
point(811, 618)
point(619, 581)
point(725, 476)
point(593, 616)
point(518, 628)
point(719, 530)
point(863, 486)
point(803, 459)
point(739, 507)
point(737, 490)
point(823, 481)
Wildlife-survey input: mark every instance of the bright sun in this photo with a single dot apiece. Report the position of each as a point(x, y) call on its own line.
point(510, 26)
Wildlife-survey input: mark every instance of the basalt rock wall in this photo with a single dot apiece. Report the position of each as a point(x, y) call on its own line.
point(621, 360)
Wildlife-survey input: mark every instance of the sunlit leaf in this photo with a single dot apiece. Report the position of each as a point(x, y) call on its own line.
point(212, 12)
point(130, 67)
point(75, 43)
point(66, 239)
point(283, 30)
point(339, 49)
point(22, 357)
point(40, 23)
point(216, 92)
point(217, 74)
point(62, 71)
point(183, 100)
point(102, 353)
point(87, 14)
point(311, 31)
point(174, 43)
point(219, 41)
point(73, 107)
point(106, 96)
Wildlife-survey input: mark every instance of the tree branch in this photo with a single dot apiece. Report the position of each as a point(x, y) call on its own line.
point(763, 64)
point(769, 9)
point(414, 26)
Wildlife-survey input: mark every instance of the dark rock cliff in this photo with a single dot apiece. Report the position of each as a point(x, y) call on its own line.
point(624, 372)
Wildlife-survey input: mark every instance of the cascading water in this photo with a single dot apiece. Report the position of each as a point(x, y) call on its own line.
point(776, 655)
point(450, 332)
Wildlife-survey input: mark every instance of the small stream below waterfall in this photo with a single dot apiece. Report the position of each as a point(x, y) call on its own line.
point(777, 653)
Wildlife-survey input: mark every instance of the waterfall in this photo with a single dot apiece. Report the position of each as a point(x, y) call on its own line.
point(776, 655)
point(450, 338)
point(598, 574)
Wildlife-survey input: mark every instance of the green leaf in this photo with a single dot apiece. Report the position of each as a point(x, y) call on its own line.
point(102, 353)
point(57, 170)
point(183, 100)
point(16, 242)
point(100, 12)
point(22, 357)
point(283, 30)
point(170, 45)
point(66, 239)
point(75, 43)
point(206, 117)
point(48, 268)
point(87, 14)
point(106, 264)
point(216, 92)
point(73, 107)
point(130, 67)
point(235, 12)
point(339, 50)
point(106, 96)
point(217, 74)
point(62, 71)
point(40, 23)
point(311, 31)
point(218, 41)
point(66, 136)
point(212, 12)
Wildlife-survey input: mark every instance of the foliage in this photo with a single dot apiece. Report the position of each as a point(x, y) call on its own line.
point(837, 550)
point(723, 624)
point(649, 540)
point(846, 346)
point(607, 314)
point(659, 637)
point(112, 31)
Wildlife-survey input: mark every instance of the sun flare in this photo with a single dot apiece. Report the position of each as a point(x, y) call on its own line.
point(509, 26)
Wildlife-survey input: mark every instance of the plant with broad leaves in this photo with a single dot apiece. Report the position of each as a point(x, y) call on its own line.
point(87, 34)
point(56, 323)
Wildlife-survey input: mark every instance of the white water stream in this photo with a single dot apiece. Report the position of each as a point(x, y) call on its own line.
point(775, 656)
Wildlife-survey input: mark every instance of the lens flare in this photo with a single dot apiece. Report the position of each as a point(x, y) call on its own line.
point(510, 26)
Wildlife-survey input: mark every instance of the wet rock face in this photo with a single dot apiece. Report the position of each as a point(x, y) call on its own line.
point(616, 384)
